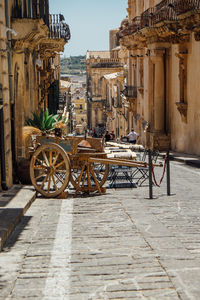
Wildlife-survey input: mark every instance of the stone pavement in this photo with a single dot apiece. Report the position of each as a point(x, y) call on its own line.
point(22, 197)
point(121, 245)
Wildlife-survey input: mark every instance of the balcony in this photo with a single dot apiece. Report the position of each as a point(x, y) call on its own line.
point(167, 10)
point(130, 91)
point(34, 25)
point(58, 29)
point(135, 25)
point(181, 7)
point(163, 11)
point(35, 10)
point(169, 20)
point(106, 63)
point(146, 18)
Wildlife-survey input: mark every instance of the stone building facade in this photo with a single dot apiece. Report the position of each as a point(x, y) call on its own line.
point(162, 40)
point(79, 115)
point(101, 89)
point(30, 40)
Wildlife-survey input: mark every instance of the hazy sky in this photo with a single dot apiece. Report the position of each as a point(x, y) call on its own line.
point(90, 22)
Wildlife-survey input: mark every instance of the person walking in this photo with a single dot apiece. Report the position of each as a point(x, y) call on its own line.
point(107, 136)
point(132, 136)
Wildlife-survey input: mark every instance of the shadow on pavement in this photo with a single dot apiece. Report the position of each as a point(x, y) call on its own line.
point(12, 239)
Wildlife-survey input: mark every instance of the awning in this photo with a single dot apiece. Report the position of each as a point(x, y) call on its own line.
point(65, 84)
point(113, 75)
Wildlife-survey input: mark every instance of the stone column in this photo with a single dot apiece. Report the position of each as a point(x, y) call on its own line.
point(158, 94)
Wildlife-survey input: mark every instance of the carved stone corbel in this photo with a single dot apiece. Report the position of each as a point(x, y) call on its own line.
point(141, 90)
point(197, 36)
point(182, 108)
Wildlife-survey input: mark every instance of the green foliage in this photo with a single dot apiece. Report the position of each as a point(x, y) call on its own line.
point(43, 120)
point(73, 64)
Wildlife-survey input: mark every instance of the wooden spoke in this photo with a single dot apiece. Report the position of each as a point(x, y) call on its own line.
point(84, 177)
point(95, 179)
point(45, 158)
point(88, 178)
point(54, 182)
point(49, 182)
point(38, 177)
point(98, 172)
point(80, 176)
point(40, 167)
point(55, 160)
point(43, 182)
point(40, 161)
point(60, 164)
point(50, 157)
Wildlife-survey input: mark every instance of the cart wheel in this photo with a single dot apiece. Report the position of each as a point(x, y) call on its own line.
point(89, 177)
point(50, 170)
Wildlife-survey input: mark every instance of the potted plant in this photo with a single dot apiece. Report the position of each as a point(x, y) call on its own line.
point(43, 121)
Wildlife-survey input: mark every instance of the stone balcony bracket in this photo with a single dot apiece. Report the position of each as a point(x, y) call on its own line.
point(49, 47)
point(197, 36)
point(141, 90)
point(182, 108)
point(30, 33)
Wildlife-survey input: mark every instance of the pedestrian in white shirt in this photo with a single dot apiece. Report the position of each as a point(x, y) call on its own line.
point(132, 136)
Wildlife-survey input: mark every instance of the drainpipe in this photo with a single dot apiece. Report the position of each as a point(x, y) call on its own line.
point(29, 8)
point(9, 53)
point(2, 144)
point(10, 82)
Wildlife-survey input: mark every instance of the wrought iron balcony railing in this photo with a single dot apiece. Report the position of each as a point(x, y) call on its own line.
point(40, 10)
point(181, 7)
point(58, 29)
point(136, 24)
point(169, 10)
point(130, 91)
point(146, 18)
point(35, 10)
point(163, 11)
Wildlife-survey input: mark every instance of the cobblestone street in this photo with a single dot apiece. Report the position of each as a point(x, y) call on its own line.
point(121, 245)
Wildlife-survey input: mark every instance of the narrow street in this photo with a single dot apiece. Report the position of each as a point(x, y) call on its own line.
point(121, 245)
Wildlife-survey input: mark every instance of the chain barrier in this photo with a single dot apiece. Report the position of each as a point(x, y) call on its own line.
point(163, 174)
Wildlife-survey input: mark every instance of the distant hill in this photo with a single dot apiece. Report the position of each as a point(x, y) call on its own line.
point(74, 65)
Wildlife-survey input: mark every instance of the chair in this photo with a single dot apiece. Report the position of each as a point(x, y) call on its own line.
point(141, 174)
point(121, 176)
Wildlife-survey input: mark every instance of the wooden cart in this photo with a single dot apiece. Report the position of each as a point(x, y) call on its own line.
point(81, 163)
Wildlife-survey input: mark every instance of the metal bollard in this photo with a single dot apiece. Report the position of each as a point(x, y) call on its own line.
point(168, 175)
point(150, 176)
